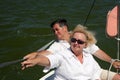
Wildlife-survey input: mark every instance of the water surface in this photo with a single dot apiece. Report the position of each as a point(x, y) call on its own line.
point(24, 28)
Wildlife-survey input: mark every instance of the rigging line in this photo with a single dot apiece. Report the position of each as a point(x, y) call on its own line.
point(118, 37)
point(89, 12)
point(20, 60)
point(118, 30)
point(10, 62)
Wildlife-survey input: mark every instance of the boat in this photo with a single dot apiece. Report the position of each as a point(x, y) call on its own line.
point(48, 76)
point(112, 30)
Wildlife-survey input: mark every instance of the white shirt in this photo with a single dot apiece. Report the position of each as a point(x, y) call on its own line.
point(58, 46)
point(68, 67)
point(62, 44)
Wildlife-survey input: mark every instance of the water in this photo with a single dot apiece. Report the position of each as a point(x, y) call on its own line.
point(24, 28)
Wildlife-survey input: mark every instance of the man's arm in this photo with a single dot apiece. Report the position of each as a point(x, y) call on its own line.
point(36, 54)
point(41, 60)
point(103, 56)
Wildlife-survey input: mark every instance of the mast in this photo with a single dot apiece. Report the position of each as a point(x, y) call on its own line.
point(118, 36)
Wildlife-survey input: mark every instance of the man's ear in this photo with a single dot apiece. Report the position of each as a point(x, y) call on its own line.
point(65, 27)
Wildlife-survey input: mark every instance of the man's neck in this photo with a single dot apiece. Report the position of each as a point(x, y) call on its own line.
point(67, 37)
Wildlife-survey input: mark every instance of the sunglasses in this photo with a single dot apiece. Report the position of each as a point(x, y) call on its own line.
point(78, 41)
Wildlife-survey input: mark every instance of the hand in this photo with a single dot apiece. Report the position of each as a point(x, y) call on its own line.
point(29, 63)
point(30, 56)
point(34, 58)
point(116, 64)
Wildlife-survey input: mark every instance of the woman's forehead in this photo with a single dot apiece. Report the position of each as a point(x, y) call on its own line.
point(79, 35)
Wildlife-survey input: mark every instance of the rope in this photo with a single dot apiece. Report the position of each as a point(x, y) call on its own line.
point(112, 61)
point(89, 12)
point(20, 60)
point(46, 46)
point(10, 62)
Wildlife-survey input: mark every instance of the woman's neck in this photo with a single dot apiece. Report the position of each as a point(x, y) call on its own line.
point(80, 58)
point(78, 55)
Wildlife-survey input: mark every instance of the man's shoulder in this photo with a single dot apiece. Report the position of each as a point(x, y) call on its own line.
point(91, 46)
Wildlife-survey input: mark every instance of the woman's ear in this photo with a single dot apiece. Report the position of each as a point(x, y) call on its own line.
point(86, 45)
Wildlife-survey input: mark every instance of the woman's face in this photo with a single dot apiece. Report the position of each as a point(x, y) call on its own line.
point(78, 42)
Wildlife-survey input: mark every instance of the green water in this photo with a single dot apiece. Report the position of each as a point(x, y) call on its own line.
point(24, 28)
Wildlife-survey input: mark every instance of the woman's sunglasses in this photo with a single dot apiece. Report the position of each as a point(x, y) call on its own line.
point(78, 41)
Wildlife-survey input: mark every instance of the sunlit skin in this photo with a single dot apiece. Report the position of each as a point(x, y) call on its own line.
point(60, 32)
point(78, 48)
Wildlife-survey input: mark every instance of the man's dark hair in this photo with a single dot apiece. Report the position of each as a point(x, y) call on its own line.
point(61, 22)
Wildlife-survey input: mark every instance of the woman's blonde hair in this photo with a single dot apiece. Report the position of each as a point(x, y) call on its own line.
point(89, 34)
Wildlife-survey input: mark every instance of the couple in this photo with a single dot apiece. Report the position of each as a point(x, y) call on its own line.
point(73, 56)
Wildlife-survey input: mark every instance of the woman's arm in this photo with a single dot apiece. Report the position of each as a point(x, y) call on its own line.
point(40, 60)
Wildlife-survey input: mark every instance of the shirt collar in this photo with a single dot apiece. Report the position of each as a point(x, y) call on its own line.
point(62, 41)
point(84, 53)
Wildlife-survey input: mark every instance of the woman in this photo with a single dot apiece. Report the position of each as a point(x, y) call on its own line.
point(72, 63)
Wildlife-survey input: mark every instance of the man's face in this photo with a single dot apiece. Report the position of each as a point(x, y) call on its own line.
point(59, 31)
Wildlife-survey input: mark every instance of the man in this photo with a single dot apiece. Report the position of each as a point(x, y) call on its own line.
point(60, 28)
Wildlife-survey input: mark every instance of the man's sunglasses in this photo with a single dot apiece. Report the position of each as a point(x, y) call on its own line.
point(78, 41)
